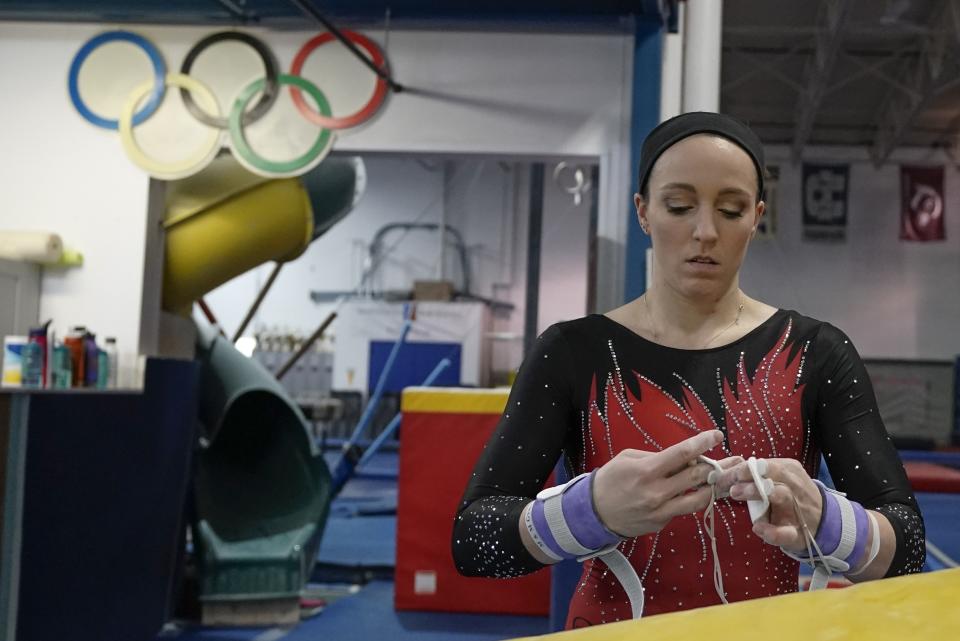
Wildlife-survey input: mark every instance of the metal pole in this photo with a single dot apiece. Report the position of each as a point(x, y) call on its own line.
point(209, 314)
point(306, 345)
point(395, 423)
point(671, 69)
point(256, 303)
point(701, 55)
point(534, 238)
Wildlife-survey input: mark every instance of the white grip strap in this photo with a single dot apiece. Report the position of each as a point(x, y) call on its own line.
point(848, 528)
point(629, 580)
point(618, 564)
point(824, 565)
point(874, 545)
point(820, 578)
point(552, 498)
point(553, 511)
point(535, 535)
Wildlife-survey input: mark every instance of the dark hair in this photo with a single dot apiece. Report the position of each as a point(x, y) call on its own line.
point(672, 131)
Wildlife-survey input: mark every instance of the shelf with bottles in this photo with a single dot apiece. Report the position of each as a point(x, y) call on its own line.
point(40, 361)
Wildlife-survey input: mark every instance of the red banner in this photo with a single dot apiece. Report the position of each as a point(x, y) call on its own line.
point(921, 203)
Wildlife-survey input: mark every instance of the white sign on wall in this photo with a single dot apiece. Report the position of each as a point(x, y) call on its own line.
point(361, 321)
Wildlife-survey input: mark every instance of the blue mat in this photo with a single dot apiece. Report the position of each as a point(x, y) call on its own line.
point(214, 634)
point(950, 459)
point(360, 541)
point(384, 464)
point(370, 615)
point(941, 513)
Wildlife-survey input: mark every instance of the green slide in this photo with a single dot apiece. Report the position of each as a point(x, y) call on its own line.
point(262, 487)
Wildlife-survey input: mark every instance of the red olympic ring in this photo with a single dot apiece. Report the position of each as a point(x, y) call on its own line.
point(343, 122)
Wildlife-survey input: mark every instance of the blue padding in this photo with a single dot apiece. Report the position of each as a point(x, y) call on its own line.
point(956, 402)
point(563, 583)
point(365, 489)
point(415, 362)
point(940, 518)
point(564, 575)
point(824, 475)
point(950, 459)
point(105, 486)
point(370, 615)
point(384, 466)
point(197, 633)
point(648, 41)
point(359, 542)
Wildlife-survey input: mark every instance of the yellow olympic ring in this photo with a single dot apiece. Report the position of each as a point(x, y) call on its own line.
point(189, 165)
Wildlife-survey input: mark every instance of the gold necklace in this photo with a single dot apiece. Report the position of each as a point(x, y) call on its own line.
point(656, 335)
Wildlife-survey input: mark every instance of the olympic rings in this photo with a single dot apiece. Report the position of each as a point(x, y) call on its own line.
point(203, 106)
point(297, 166)
point(159, 72)
point(344, 122)
point(269, 65)
point(193, 163)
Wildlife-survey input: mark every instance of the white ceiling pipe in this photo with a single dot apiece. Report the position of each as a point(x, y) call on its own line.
point(701, 55)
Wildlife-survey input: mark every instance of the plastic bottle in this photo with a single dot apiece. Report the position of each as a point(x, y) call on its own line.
point(39, 336)
point(110, 348)
point(103, 369)
point(32, 365)
point(75, 343)
point(61, 374)
point(90, 360)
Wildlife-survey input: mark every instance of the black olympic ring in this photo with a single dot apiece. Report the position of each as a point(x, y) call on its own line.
point(271, 87)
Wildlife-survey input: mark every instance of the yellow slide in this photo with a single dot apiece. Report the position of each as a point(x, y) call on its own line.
point(225, 221)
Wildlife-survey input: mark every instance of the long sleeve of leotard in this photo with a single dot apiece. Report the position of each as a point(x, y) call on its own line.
point(515, 464)
point(862, 460)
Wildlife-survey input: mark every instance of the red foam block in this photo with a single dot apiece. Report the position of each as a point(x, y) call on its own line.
point(437, 456)
point(930, 477)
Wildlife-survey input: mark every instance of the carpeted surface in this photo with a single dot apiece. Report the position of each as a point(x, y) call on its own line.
point(370, 615)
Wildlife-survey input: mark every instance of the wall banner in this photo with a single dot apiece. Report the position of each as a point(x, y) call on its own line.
point(825, 201)
point(921, 203)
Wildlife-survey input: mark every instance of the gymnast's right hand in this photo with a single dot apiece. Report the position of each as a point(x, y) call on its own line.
point(638, 492)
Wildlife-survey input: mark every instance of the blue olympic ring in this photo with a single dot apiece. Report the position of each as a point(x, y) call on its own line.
point(159, 76)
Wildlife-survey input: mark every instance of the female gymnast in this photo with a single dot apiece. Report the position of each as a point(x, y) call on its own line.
point(693, 377)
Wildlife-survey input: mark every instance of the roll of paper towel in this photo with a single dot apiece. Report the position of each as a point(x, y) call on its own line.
point(30, 246)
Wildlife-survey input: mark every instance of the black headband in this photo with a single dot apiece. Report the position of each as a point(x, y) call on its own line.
point(672, 131)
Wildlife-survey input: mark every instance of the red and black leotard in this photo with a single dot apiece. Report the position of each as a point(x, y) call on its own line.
point(793, 387)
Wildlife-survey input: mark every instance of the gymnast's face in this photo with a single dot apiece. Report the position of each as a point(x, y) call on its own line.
point(702, 210)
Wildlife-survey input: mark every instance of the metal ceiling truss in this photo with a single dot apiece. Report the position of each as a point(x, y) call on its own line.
point(819, 69)
point(876, 70)
point(949, 133)
point(925, 78)
point(759, 65)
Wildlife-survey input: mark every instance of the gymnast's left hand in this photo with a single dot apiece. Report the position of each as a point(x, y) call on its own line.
point(794, 501)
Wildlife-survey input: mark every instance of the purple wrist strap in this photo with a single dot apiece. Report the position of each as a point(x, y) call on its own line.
point(831, 526)
point(543, 529)
point(582, 518)
point(828, 533)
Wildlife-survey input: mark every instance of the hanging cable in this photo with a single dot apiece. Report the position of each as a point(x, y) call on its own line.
point(307, 8)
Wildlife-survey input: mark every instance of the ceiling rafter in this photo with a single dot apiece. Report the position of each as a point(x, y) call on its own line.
point(758, 65)
point(875, 70)
point(819, 69)
point(926, 78)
